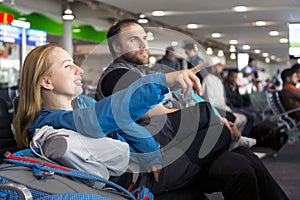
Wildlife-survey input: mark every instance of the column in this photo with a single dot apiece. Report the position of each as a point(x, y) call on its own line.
point(67, 36)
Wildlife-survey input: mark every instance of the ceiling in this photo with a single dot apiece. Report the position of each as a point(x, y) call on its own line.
point(218, 16)
point(210, 16)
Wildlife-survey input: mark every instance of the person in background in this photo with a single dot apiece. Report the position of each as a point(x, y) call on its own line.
point(129, 48)
point(193, 58)
point(251, 73)
point(169, 61)
point(290, 94)
point(214, 92)
point(296, 68)
point(235, 100)
point(269, 84)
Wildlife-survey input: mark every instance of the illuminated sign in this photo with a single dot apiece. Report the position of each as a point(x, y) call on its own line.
point(36, 37)
point(6, 18)
point(10, 34)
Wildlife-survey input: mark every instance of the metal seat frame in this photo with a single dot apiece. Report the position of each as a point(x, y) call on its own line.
point(281, 115)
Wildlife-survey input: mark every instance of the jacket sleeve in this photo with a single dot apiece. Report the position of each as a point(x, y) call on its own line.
point(117, 112)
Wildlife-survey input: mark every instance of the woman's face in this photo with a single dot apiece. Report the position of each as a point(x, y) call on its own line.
point(65, 76)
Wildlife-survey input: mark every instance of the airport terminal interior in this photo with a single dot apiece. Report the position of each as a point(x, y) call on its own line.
point(227, 33)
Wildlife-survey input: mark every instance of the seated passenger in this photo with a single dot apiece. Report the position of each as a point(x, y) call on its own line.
point(290, 94)
point(214, 92)
point(235, 100)
point(128, 45)
point(168, 62)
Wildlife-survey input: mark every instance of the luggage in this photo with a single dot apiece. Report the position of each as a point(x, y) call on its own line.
point(51, 181)
point(269, 134)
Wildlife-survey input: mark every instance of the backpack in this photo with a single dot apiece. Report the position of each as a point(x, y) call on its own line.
point(47, 180)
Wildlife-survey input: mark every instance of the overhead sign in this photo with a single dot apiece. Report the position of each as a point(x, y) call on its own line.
point(10, 34)
point(36, 37)
point(6, 18)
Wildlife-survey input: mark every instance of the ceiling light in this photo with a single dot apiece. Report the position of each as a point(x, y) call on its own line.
point(265, 54)
point(232, 48)
point(233, 41)
point(152, 60)
point(220, 53)
point(209, 51)
point(142, 16)
point(192, 26)
point(278, 59)
point(246, 47)
point(68, 14)
point(232, 56)
point(273, 57)
point(68, 17)
point(76, 30)
point(150, 36)
point(257, 51)
point(158, 13)
point(298, 60)
point(261, 23)
point(143, 20)
point(283, 40)
point(267, 60)
point(240, 9)
point(216, 35)
point(174, 43)
point(273, 33)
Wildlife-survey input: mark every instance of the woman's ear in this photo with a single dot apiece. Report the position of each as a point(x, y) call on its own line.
point(46, 83)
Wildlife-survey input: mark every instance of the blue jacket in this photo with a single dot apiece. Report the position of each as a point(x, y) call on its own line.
point(119, 113)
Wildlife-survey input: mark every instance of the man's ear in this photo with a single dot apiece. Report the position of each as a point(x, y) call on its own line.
point(46, 83)
point(117, 48)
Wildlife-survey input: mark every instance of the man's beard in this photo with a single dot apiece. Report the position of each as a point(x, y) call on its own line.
point(133, 57)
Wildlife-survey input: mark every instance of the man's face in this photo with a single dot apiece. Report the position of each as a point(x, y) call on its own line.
point(171, 55)
point(132, 44)
point(298, 74)
point(233, 78)
point(294, 79)
point(188, 52)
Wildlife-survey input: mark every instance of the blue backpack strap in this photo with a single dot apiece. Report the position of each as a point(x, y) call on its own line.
point(73, 196)
point(43, 169)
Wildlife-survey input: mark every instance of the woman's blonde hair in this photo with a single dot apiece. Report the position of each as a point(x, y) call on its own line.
point(35, 67)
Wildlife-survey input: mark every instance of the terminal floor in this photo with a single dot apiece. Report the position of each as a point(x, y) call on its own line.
point(285, 168)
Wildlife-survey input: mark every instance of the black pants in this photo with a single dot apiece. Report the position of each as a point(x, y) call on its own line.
point(238, 175)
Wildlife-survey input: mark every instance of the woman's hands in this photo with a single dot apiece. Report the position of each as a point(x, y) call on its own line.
point(186, 80)
point(235, 133)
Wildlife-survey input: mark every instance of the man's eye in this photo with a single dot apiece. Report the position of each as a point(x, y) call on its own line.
point(133, 39)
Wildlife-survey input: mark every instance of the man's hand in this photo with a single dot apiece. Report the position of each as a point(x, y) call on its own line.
point(156, 169)
point(186, 79)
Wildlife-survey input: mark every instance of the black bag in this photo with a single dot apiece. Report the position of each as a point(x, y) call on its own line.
point(268, 134)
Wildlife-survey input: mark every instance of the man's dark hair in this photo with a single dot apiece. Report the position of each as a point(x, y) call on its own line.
point(114, 30)
point(250, 60)
point(295, 67)
point(287, 73)
point(190, 46)
point(170, 49)
point(232, 71)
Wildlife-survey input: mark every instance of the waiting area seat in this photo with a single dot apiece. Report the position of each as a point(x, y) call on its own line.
point(7, 140)
point(281, 115)
point(259, 104)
